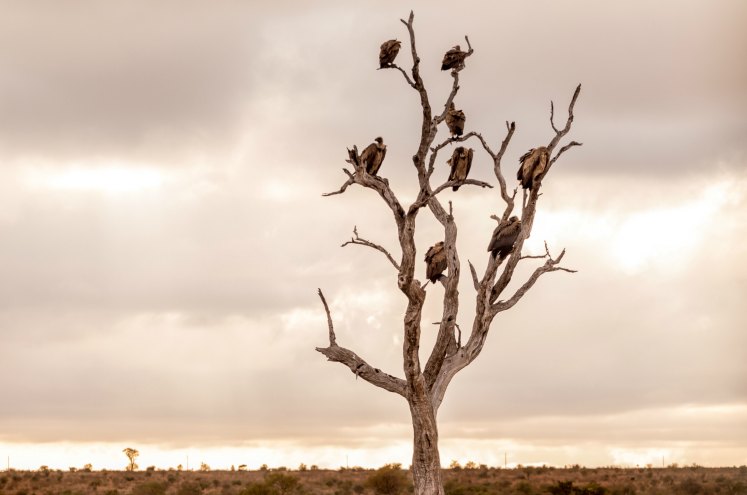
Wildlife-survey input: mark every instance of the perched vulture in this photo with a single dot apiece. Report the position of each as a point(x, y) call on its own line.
point(454, 59)
point(504, 236)
point(455, 120)
point(373, 155)
point(389, 51)
point(460, 162)
point(533, 165)
point(435, 260)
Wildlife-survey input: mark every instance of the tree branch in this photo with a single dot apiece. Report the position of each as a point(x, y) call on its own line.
point(425, 198)
point(563, 150)
point(538, 257)
point(552, 117)
point(358, 365)
point(459, 139)
point(378, 184)
point(465, 182)
point(488, 291)
point(406, 281)
point(451, 140)
point(559, 134)
point(483, 142)
point(549, 266)
point(332, 339)
point(407, 78)
point(470, 51)
point(472, 270)
point(509, 200)
point(354, 160)
point(344, 187)
point(529, 204)
point(445, 337)
point(454, 87)
point(363, 242)
point(426, 127)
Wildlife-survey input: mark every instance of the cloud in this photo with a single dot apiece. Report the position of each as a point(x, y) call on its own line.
point(146, 323)
point(684, 435)
point(201, 83)
point(163, 233)
point(126, 81)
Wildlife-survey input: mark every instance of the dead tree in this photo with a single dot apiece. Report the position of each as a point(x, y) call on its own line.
point(423, 387)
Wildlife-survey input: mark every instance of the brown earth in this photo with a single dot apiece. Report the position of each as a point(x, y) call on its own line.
point(693, 480)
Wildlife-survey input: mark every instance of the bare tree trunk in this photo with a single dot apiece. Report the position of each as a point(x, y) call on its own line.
point(426, 462)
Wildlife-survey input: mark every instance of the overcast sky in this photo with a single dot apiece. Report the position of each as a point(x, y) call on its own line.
point(163, 234)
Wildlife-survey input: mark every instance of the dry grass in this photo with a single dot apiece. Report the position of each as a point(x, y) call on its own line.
point(482, 481)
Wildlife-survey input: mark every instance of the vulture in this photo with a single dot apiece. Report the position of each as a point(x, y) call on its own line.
point(455, 120)
point(454, 59)
point(389, 51)
point(460, 162)
point(373, 155)
point(533, 165)
point(435, 260)
point(504, 236)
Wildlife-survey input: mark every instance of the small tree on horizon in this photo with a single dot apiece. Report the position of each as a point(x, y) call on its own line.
point(131, 455)
point(424, 387)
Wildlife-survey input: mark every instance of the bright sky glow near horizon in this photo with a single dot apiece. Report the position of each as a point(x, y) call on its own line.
point(163, 234)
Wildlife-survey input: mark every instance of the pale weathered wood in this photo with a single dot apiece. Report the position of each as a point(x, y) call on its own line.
point(356, 364)
point(356, 239)
point(424, 388)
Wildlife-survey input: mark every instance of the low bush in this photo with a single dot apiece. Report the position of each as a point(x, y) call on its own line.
point(149, 488)
point(389, 480)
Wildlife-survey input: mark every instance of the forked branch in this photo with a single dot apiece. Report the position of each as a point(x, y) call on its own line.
point(488, 290)
point(551, 265)
point(378, 184)
point(356, 239)
point(343, 188)
point(560, 134)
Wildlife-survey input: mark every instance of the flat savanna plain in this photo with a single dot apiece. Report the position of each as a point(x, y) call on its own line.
point(480, 481)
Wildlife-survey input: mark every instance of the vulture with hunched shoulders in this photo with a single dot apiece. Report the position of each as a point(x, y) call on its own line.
point(435, 260)
point(454, 59)
point(389, 51)
point(504, 237)
point(373, 155)
point(455, 120)
point(460, 162)
point(533, 166)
